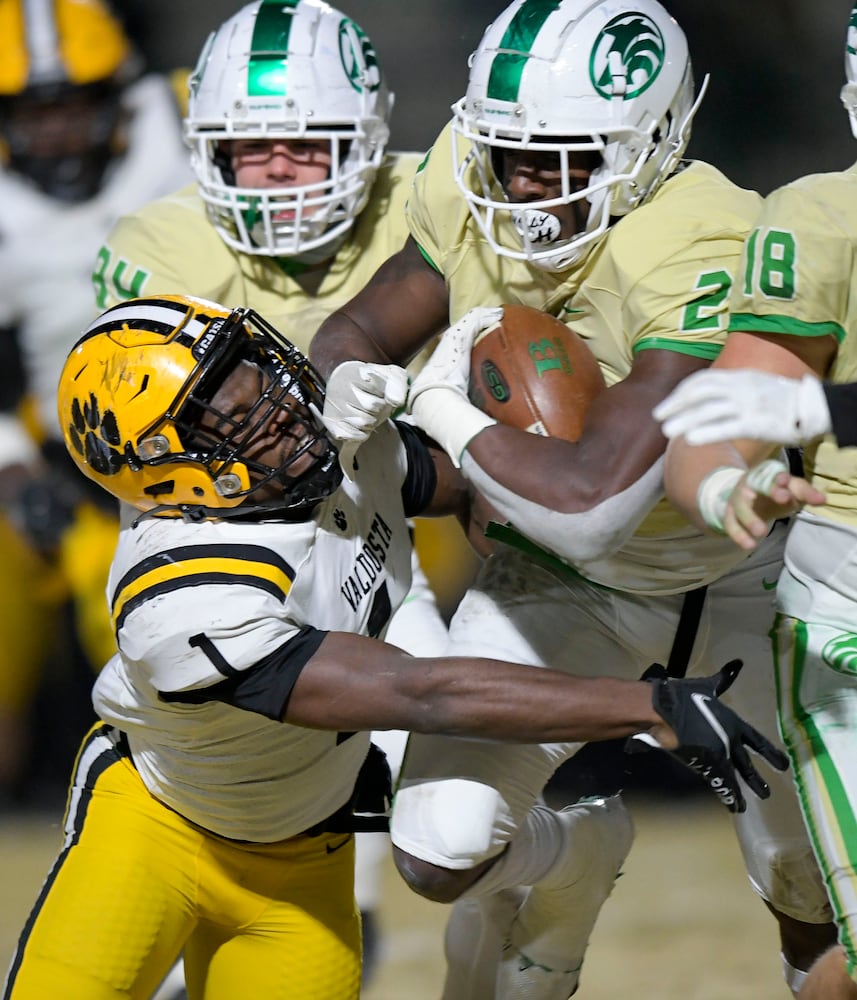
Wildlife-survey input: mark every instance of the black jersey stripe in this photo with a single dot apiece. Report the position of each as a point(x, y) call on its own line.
point(189, 553)
point(124, 604)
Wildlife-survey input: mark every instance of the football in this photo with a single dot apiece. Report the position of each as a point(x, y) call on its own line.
point(533, 372)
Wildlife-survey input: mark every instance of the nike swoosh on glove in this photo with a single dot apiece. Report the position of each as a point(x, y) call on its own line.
point(713, 740)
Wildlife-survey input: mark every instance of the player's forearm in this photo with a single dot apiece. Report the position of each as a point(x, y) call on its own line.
point(578, 536)
point(496, 700)
point(340, 338)
point(354, 683)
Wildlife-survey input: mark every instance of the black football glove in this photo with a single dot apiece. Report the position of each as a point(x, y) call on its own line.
point(712, 738)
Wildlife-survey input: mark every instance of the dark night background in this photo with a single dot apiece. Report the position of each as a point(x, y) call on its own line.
point(772, 111)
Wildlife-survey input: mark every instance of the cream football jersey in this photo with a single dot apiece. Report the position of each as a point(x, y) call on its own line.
point(171, 247)
point(797, 277)
point(659, 279)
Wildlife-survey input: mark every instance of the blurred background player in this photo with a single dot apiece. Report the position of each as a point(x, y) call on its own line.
point(561, 183)
point(84, 136)
point(296, 203)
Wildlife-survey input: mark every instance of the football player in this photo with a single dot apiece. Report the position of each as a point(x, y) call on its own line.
point(212, 807)
point(84, 136)
point(560, 183)
point(792, 324)
point(295, 203)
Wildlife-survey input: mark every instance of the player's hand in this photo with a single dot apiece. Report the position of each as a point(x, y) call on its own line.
point(359, 397)
point(744, 503)
point(449, 365)
point(721, 405)
point(766, 493)
point(712, 740)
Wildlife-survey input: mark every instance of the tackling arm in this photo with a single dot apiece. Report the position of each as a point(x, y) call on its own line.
point(355, 683)
point(402, 307)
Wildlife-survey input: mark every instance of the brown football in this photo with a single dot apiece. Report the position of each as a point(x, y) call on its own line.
point(533, 372)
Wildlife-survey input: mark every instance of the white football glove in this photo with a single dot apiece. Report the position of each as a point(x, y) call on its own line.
point(359, 397)
point(719, 405)
point(438, 395)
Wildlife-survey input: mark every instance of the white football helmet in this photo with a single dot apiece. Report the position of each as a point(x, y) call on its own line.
point(849, 91)
point(288, 69)
point(606, 76)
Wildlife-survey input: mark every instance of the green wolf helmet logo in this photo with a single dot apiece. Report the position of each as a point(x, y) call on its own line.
point(639, 45)
point(840, 654)
point(359, 59)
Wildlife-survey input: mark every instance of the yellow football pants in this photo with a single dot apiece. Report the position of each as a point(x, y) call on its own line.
point(135, 884)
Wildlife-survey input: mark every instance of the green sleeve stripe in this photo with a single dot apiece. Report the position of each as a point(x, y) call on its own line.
point(428, 260)
point(707, 351)
point(788, 325)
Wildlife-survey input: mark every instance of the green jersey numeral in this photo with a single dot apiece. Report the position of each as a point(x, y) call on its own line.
point(113, 274)
point(707, 312)
point(770, 258)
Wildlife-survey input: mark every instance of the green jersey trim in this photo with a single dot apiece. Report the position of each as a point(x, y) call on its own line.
point(788, 325)
point(707, 351)
point(428, 260)
point(506, 534)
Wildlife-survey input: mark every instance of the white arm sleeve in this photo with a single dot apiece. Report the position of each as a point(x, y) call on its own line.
point(579, 537)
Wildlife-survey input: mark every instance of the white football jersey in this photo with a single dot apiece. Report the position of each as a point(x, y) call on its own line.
point(198, 605)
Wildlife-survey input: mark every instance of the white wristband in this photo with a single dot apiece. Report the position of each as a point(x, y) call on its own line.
point(761, 477)
point(451, 419)
point(713, 495)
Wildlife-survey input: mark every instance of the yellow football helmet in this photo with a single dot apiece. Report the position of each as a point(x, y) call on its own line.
point(135, 388)
point(63, 65)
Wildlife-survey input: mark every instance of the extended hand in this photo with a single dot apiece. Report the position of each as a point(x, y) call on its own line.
point(712, 739)
point(360, 397)
point(721, 405)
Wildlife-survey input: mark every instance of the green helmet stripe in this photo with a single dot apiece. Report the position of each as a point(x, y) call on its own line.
point(508, 66)
point(266, 72)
